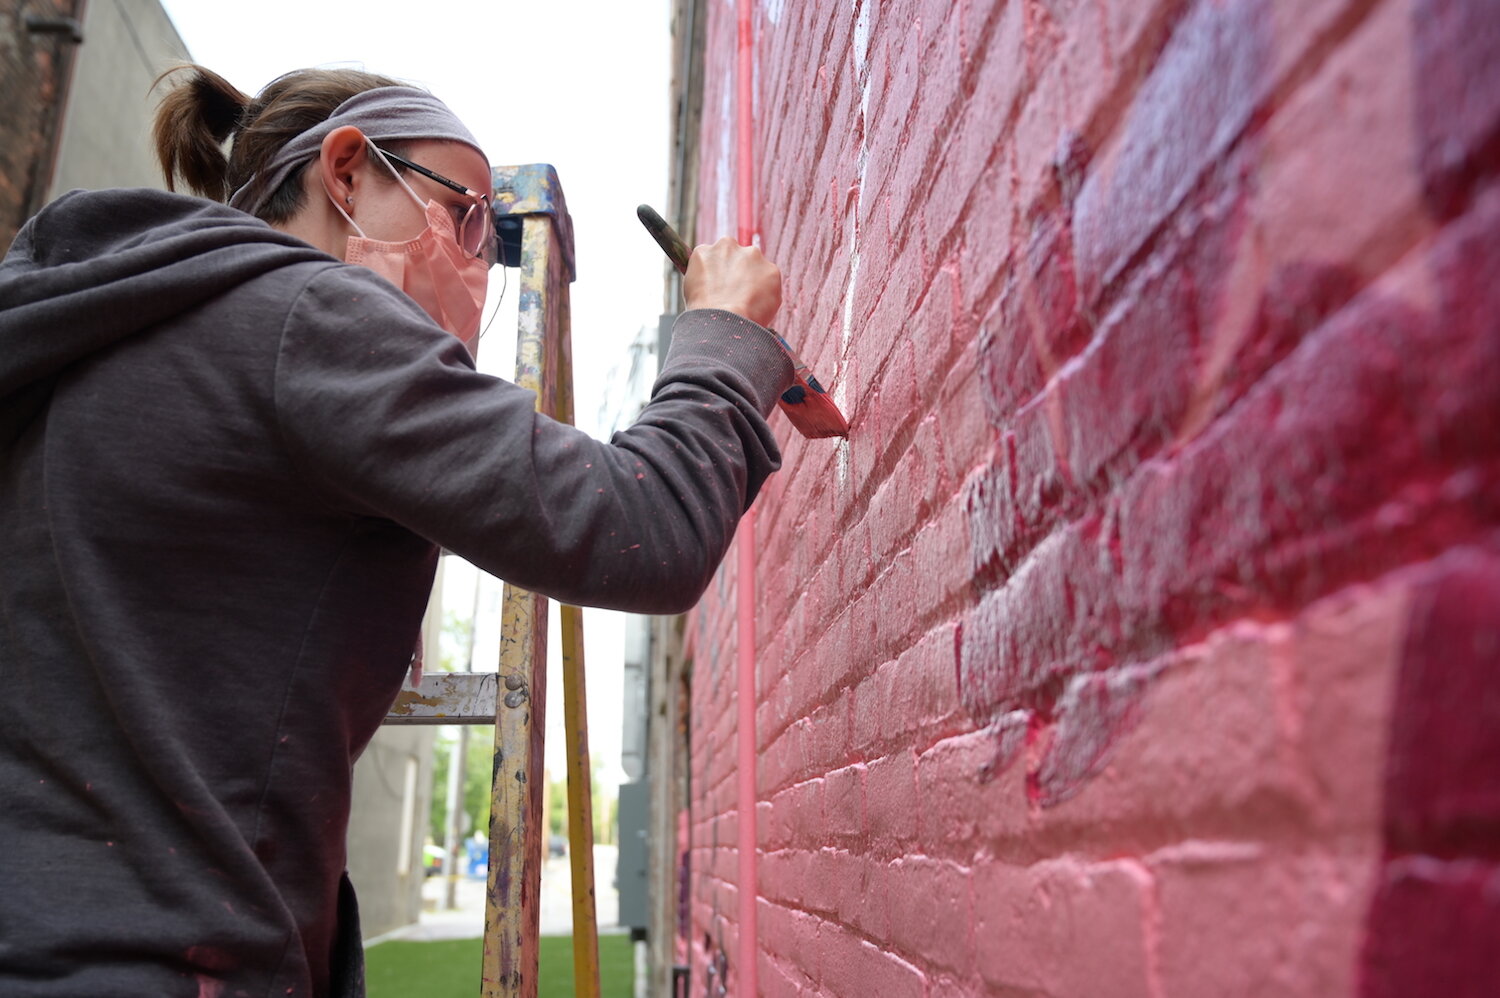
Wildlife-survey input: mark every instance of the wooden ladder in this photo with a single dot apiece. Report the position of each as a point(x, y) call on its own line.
point(537, 235)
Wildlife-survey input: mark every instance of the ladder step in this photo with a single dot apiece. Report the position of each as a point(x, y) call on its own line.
point(449, 698)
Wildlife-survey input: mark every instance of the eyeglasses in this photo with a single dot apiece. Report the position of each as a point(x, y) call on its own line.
point(476, 230)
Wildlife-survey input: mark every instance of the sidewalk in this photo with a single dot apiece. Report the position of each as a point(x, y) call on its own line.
point(467, 920)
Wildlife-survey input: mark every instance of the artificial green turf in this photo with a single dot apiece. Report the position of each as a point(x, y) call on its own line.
point(450, 968)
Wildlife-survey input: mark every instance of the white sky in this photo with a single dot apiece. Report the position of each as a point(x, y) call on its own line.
point(580, 84)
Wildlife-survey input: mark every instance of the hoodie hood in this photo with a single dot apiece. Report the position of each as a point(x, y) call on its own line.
point(95, 267)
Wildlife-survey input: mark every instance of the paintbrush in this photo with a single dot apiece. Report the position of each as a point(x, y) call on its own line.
point(807, 404)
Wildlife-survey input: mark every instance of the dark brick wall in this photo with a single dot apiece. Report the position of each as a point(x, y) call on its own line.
point(34, 69)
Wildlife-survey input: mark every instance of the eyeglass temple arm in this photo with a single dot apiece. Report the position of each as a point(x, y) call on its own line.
point(431, 175)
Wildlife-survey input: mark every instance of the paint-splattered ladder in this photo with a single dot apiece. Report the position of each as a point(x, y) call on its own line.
point(537, 231)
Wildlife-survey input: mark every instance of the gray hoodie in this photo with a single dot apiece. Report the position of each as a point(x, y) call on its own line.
point(226, 463)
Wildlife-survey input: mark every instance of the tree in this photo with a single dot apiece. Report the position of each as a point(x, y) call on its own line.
point(477, 772)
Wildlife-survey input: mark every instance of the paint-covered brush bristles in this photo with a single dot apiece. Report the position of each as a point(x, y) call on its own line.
point(806, 403)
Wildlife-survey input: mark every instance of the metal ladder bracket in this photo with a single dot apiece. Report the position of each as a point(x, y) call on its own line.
point(449, 698)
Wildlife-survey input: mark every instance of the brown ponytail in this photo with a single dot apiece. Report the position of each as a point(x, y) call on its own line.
point(192, 123)
point(197, 117)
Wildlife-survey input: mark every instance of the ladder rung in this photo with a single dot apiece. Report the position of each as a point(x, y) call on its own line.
point(450, 698)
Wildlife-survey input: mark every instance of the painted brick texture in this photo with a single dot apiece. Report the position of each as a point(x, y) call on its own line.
point(1142, 638)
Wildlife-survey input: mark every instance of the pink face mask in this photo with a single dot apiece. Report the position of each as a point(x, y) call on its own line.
point(432, 269)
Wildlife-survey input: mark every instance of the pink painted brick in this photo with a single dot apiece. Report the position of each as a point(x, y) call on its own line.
point(940, 555)
point(1180, 582)
point(805, 815)
point(782, 876)
point(843, 802)
point(1030, 635)
point(785, 760)
point(990, 502)
point(1457, 98)
point(779, 827)
point(912, 694)
point(1126, 397)
point(1210, 746)
point(900, 622)
point(943, 986)
point(826, 883)
point(1306, 213)
point(777, 980)
point(1045, 493)
point(891, 802)
point(791, 934)
point(1246, 919)
point(1200, 95)
point(852, 889)
point(862, 633)
point(937, 328)
point(1442, 796)
point(975, 139)
point(1065, 928)
point(934, 914)
point(960, 789)
point(1011, 369)
point(892, 513)
point(1343, 656)
point(868, 900)
point(867, 713)
point(1199, 536)
point(932, 485)
point(851, 967)
point(762, 815)
point(968, 435)
point(1432, 928)
point(827, 739)
point(1276, 281)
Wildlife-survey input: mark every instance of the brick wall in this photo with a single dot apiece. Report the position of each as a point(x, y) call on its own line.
point(1142, 639)
point(34, 69)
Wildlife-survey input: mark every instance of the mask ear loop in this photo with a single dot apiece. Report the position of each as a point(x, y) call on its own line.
point(394, 173)
point(504, 282)
point(397, 174)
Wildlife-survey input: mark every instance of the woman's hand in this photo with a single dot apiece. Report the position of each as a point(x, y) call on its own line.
point(735, 278)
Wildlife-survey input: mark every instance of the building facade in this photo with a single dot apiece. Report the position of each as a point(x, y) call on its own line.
point(1141, 638)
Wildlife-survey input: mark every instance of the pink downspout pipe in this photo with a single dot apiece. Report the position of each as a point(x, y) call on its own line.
point(748, 223)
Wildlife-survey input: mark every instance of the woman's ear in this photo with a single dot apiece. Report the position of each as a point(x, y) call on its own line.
point(344, 152)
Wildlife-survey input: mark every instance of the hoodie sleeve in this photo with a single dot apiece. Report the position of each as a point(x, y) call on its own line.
point(387, 417)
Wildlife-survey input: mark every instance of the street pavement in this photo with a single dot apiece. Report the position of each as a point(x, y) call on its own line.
point(466, 921)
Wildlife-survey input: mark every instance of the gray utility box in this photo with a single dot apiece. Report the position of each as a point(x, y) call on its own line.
point(635, 802)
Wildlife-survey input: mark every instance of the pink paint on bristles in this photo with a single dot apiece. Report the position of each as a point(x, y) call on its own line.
point(806, 404)
point(814, 415)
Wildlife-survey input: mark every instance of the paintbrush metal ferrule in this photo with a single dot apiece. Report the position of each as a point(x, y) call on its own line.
point(806, 404)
